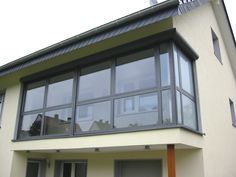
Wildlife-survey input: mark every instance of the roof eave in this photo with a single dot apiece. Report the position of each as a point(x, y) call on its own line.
point(140, 14)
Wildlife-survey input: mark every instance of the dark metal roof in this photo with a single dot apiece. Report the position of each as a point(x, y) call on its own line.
point(128, 23)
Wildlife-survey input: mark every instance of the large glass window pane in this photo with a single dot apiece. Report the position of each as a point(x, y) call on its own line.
point(34, 98)
point(93, 117)
point(60, 93)
point(136, 111)
point(167, 107)
point(189, 112)
point(165, 65)
point(186, 74)
point(178, 100)
point(95, 84)
point(58, 121)
point(176, 63)
point(31, 125)
point(135, 75)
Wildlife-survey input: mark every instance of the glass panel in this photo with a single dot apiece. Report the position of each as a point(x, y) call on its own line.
point(93, 117)
point(141, 110)
point(67, 169)
point(176, 67)
point(165, 65)
point(80, 169)
point(60, 93)
point(95, 85)
point(31, 125)
point(34, 99)
point(178, 99)
point(186, 74)
point(136, 75)
point(189, 112)
point(32, 169)
point(58, 121)
point(167, 107)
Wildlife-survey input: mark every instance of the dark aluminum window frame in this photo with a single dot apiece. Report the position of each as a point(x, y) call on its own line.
point(172, 87)
point(232, 111)
point(2, 95)
point(216, 46)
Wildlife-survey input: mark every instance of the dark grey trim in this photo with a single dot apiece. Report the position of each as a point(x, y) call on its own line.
point(151, 15)
point(131, 22)
point(216, 46)
point(110, 132)
point(44, 106)
point(2, 94)
point(232, 110)
point(74, 98)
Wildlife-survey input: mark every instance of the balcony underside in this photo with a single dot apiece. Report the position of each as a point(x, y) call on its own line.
point(134, 141)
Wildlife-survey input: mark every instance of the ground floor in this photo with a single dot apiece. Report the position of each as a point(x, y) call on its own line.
point(117, 163)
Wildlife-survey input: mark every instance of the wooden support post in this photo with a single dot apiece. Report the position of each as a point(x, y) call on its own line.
point(171, 160)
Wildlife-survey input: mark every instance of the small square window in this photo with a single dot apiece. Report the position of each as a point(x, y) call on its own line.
point(2, 95)
point(216, 45)
point(233, 116)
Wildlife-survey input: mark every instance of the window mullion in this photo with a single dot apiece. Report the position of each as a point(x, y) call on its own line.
point(173, 83)
point(44, 107)
point(113, 87)
point(158, 82)
point(74, 99)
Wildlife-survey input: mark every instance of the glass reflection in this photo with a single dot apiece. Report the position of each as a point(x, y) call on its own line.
point(136, 111)
point(94, 85)
point(34, 98)
point(189, 112)
point(93, 117)
point(167, 107)
point(31, 125)
point(60, 93)
point(58, 122)
point(136, 75)
point(186, 75)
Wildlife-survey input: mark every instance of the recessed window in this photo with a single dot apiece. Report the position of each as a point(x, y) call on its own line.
point(36, 168)
point(2, 95)
point(216, 45)
point(70, 169)
point(232, 110)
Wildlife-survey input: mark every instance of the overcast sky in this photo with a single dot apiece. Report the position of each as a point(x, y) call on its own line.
point(29, 25)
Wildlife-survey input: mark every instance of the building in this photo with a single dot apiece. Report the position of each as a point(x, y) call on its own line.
point(150, 93)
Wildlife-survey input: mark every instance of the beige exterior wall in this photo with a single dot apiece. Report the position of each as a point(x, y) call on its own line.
point(216, 85)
